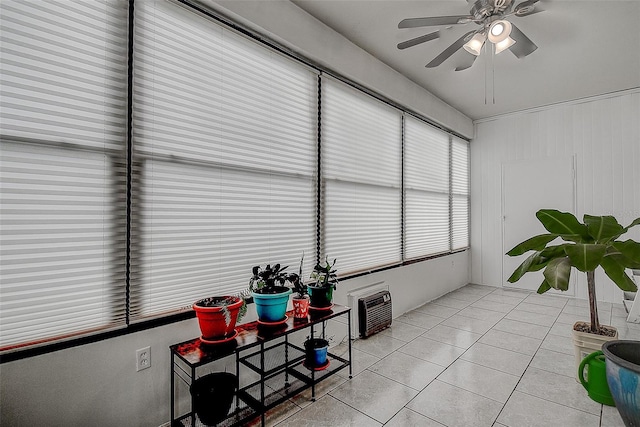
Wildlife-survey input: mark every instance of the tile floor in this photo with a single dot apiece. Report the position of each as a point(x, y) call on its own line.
point(479, 356)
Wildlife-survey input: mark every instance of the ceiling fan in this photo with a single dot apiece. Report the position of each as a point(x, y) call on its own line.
point(490, 16)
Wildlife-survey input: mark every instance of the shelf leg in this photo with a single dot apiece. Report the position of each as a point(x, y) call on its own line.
point(262, 415)
point(173, 409)
point(193, 404)
point(349, 341)
point(237, 378)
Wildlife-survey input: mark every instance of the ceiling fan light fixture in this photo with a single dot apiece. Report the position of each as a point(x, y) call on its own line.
point(504, 44)
point(499, 31)
point(474, 46)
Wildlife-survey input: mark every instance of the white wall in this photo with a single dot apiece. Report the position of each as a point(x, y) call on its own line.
point(97, 384)
point(604, 135)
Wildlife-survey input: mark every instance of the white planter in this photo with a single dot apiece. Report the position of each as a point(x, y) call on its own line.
point(585, 343)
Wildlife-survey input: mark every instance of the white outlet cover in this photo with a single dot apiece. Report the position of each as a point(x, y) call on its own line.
point(143, 358)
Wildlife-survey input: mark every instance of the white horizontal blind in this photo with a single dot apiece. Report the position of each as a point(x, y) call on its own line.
point(225, 159)
point(426, 184)
point(361, 168)
point(62, 169)
point(460, 193)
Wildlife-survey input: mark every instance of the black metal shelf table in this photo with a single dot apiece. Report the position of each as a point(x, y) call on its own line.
point(267, 351)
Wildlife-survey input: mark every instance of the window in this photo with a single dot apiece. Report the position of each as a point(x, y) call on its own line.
point(426, 184)
point(225, 159)
point(221, 165)
point(62, 169)
point(361, 171)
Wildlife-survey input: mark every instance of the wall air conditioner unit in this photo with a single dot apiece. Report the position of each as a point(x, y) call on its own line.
point(374, 313)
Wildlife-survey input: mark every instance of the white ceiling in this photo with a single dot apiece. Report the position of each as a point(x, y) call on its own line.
point(585, 48)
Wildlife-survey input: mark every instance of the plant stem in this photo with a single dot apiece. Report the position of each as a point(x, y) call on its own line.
point(593, 304)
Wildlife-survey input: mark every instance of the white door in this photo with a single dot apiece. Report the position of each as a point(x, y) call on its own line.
point(528, 186)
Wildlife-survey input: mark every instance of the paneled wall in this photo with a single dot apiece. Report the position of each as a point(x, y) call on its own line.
point(602, 133)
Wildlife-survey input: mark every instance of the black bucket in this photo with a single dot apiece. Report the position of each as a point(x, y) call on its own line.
point(212, 396)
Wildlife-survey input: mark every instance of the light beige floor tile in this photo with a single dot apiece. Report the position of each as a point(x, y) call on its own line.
point(522, 328)
point(510, 299)
point(455, 407)
point(512, 292)
point(437, 310)
point(359, 359)
point(478, 289)
point(552, 361)
point(408, 370)
point(528, 317)
point(513, 342)
point(469, 324)
point(497, 358)
point(552, 301)
point(447, 301)
point(432, 351)
point(452, 336)
point(500, 307)
point(408, 418)
point(328, 412)
point(464, 296)
point(570, 319)
point(374, 395)
point(303, 399)
point(539, 309)
point(611, 417)
point(558, 343)
point(277, 414)
point(419, 319)
point(575, 309)
point(481, 380)
point(378, 345)
point(481, 314)
point(561, 329)
point(524, 410)
point(403, 331)
point(557, 388)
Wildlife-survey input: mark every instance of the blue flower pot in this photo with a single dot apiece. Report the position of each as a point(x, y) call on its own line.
point(272, 307)
point(315, 352)
point(623, 377)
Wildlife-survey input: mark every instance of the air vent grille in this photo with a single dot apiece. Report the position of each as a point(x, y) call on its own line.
point(374, 313)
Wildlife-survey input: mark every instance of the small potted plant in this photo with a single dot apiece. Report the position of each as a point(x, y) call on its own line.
point(269, 292)
point(300, 297)
point(217, 316)
point(585, 246)
point(315, 350)
point(324, 283)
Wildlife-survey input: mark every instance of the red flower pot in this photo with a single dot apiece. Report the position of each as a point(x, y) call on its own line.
point(211, 317)
point(300, 307)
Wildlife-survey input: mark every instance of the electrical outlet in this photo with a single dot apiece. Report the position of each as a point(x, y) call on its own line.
point(143, 358)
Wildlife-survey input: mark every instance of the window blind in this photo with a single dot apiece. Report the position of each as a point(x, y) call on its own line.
point(361, 169)
point(426, 185)
point(460, 193)
point(62, 169)
point(225, 160)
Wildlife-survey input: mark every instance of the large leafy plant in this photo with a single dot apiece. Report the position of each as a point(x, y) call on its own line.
point(586, 246)
point(267, 280)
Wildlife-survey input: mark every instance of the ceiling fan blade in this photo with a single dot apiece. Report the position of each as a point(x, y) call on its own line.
point(468, 62)
point(525, 8)
point(450, 50)
point(433, 21)
point(418, 40)
point(524, 46)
